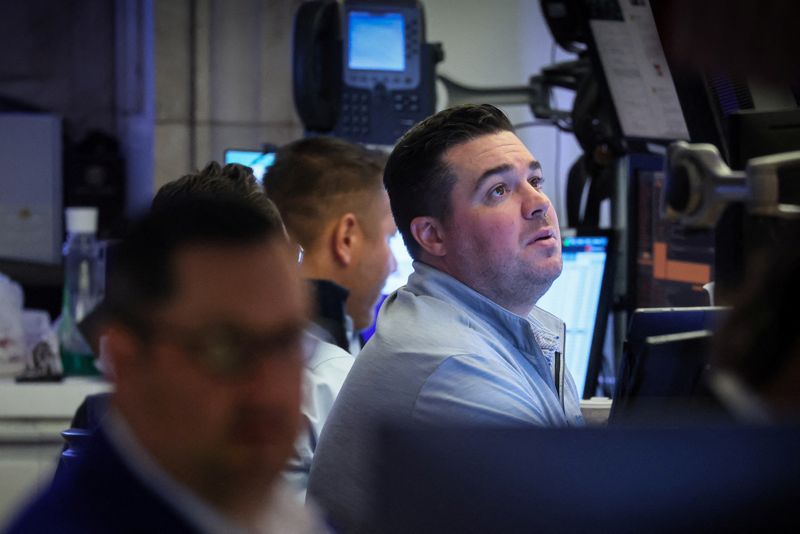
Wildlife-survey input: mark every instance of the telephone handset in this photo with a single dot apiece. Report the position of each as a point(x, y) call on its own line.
point(317, 64)
point(362, 68)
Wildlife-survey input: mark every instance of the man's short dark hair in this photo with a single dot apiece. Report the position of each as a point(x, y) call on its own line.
point(232, 179)
point(142, 276)
point(316, 179)
point(418, 180)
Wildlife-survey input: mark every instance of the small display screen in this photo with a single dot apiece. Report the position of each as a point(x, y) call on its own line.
point(376, 41)
point(255, 159)
point(404, 269)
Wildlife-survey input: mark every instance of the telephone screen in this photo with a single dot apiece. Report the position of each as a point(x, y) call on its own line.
point(377, 41)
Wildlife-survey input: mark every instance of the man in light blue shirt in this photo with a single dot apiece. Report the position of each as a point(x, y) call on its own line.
point(463, 342)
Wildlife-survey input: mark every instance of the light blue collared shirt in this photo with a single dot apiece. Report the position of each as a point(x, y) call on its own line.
point(442, 354)
point(325, 371)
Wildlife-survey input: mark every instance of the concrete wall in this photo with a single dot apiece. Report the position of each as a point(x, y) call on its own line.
point(178, 81)
point(240, 92)
point(223, 80)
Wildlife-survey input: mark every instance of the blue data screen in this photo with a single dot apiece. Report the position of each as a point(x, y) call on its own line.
point(376, 41)
point(255, 159)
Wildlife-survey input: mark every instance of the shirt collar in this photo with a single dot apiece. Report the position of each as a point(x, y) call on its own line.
point(330, 315)
point(146, 469)
point(522, 332)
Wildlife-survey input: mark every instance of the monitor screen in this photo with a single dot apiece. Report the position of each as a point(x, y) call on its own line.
point(575, 297)
point(646, 344)
point(665, 382)
point(376, 41)
point(636, 70)
point(676, 479)
point(258, 160)
point(396, 280)
point(404, 269)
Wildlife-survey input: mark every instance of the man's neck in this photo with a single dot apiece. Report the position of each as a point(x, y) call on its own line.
point(512, 303)
point(186, 486)
point(317, 267)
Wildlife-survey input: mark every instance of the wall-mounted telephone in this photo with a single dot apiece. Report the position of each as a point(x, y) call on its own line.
point(362, 69)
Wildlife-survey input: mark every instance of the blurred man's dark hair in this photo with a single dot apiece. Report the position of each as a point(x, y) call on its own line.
point(233, 179)
point(142, 276)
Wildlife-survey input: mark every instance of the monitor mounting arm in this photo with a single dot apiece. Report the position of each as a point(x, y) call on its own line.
point(537, 94)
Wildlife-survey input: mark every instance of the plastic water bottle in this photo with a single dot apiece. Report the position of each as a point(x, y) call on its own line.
point(82, 289)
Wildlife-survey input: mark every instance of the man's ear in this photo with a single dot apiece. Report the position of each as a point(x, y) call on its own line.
point(120, 348)
point(346, 239)
point(429, 234)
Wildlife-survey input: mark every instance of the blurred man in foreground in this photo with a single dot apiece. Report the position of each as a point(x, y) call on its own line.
point(325, 367)
point(204, 329)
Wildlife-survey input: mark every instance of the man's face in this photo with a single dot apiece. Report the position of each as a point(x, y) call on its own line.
point(211, 424)
point(375, 261)
point(502, 237)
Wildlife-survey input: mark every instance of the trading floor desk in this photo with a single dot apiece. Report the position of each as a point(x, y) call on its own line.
point(32, 417)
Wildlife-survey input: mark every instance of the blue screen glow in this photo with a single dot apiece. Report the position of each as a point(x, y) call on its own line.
point(255, 159)
point(376, 41)
point(575, 297)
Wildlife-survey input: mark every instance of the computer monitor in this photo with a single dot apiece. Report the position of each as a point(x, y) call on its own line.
point(399, 277)
point(580, 297)
point(647, 322)
point(663, 357)
point(395, 281)
point(667, 382)
point(625, 44)
point(258, 160)
point(623, 479)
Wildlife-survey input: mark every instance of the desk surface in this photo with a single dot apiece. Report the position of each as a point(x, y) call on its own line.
point(595, 410)
point(46, 400)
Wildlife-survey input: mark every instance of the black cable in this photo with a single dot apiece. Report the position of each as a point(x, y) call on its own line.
point(558, 177)
point(557, 170)
point(531, 124)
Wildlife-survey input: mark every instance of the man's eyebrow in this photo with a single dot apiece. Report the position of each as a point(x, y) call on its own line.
point(501, 169)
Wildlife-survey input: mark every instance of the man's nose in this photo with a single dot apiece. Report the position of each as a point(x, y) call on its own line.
point(535, 203)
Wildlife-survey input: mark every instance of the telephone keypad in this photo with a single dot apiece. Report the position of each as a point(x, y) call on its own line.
point(355, 112)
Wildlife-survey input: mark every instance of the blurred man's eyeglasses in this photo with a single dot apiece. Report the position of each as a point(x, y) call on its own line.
point(229, 351)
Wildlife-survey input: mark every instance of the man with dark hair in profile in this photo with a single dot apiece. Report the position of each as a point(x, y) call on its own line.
point(333, 202)
point(204, 318)
point(463, 342)
point(331, 197)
